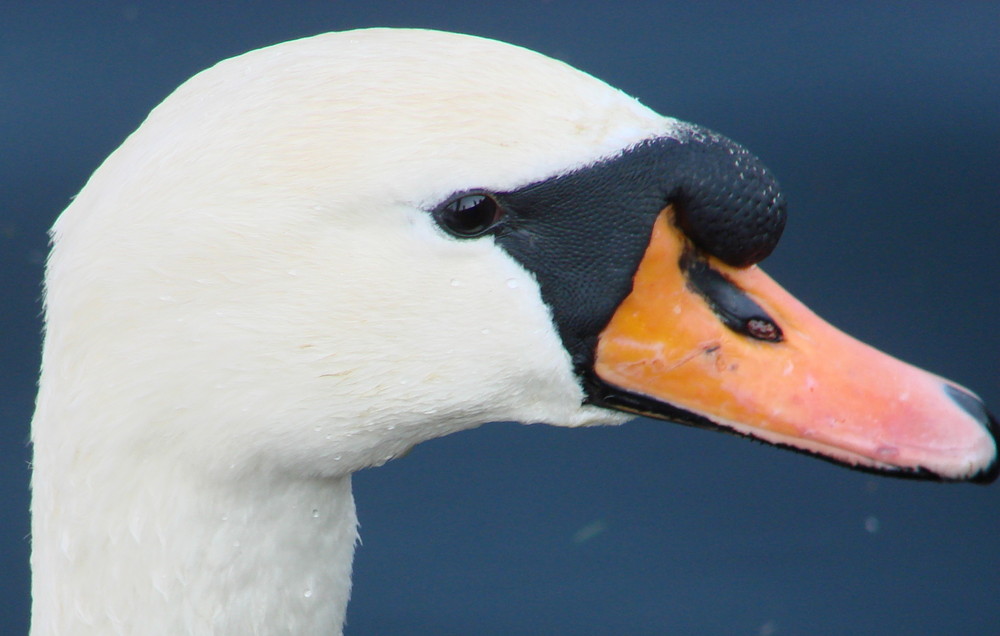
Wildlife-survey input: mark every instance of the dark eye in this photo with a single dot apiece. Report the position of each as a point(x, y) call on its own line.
point(470, 214)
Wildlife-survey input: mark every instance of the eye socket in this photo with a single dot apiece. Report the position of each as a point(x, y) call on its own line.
point(469, 215)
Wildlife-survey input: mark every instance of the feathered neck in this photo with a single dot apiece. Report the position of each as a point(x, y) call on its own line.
point(183, 552)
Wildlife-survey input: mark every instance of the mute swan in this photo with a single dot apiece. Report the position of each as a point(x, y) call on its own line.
point(313, 256)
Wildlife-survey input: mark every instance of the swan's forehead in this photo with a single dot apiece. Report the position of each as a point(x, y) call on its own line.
point(419, 114)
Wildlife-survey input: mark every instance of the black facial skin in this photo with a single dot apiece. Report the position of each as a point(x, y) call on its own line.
point(584, 233)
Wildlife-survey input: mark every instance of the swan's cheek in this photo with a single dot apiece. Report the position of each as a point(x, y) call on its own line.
point(399, 336)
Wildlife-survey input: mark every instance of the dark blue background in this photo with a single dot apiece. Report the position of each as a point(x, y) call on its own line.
point(883, 122)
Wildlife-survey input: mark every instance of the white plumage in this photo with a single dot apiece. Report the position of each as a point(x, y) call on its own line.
point(238, 318)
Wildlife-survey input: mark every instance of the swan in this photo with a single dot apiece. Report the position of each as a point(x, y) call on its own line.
point(311, 257)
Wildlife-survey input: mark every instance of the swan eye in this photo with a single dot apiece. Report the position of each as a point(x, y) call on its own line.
point(469, 215)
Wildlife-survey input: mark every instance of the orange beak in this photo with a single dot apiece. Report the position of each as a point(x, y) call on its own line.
point(709, 344)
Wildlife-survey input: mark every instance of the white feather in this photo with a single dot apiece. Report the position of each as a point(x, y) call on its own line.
point(249, 301)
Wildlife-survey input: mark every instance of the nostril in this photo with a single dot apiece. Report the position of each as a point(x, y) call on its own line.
point(974, 407)
point(731, 305)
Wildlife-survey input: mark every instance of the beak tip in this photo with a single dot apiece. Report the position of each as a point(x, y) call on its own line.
point(975, 408)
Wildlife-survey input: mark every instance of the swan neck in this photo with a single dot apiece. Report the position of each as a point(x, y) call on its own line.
point(258, 554)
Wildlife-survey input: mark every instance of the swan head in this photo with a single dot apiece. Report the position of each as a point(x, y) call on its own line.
point(315, 255)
